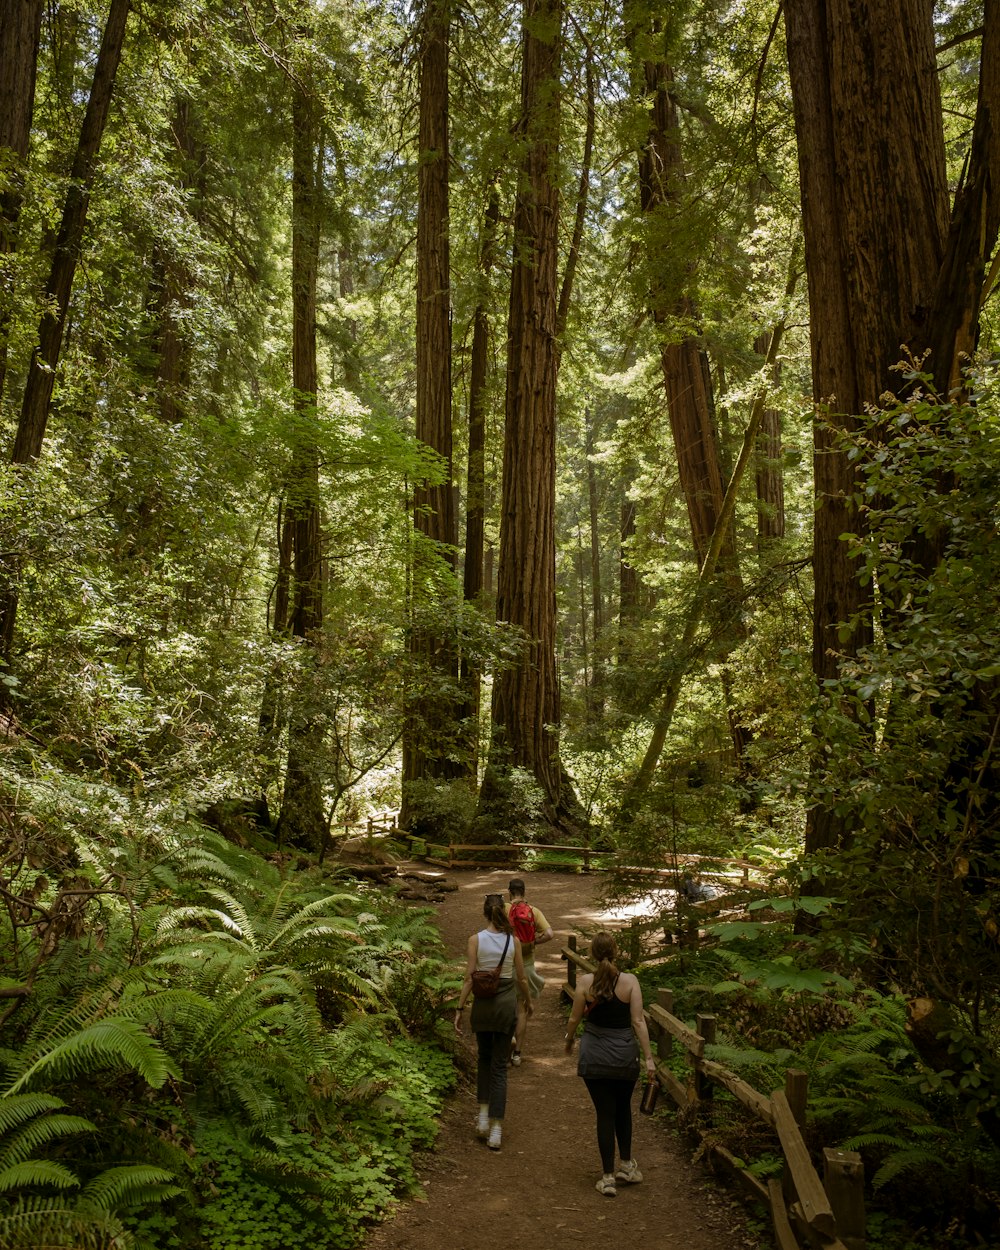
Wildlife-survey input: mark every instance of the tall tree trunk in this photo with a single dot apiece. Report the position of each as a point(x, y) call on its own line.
point(639, 784)
point(37, 395)
point(475, 505)
point(20, 25)
point(875, 220)
point(684, 360)
point(770, 477)
point(628, 585)
point(686, 376)
point(428, 750)
point(596, 692)
point(526, 695)
point(45, 357)
point(302, 818)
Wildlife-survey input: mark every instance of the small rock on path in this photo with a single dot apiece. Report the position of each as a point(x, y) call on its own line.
point(538, 1189)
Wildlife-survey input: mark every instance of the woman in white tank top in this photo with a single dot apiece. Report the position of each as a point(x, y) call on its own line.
point(493, 1019)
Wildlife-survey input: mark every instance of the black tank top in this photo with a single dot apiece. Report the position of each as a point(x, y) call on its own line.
point(610, 1013)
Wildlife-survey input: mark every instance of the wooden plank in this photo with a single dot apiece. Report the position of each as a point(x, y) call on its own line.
point(816, 1209)
point(783, 1234)
point(574, 957)
point(694, 1044)
point(751, 1098)
point(677, 1091)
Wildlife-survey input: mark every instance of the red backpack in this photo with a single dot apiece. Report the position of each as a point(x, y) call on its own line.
point(522, 919)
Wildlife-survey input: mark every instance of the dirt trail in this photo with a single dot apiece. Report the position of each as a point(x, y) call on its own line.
point(539, 1189)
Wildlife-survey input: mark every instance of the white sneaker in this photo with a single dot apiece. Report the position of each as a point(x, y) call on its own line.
point(494, 1138)
point(628, 1171)
point(515, 1059)
point(606, 1186)
point(483, 1123)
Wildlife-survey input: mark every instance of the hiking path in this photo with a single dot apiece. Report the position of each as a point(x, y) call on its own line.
point(539, 1189)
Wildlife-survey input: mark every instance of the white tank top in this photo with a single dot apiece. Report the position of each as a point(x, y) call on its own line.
point(490, 950)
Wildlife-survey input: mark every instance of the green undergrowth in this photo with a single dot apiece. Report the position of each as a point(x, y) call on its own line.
point(926, 1134)
point(202, 1048)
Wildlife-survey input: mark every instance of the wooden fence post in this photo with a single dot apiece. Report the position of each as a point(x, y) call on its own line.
point(635, 942)
point(797, 1093)
point(844, 1182)
point(705, 1027)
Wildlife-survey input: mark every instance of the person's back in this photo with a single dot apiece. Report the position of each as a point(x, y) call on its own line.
point(610, 1013)
point(533, 929)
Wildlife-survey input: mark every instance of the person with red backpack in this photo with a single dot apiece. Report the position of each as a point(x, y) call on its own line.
point(531, 927)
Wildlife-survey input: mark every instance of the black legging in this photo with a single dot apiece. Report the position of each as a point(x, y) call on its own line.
point(613, 1104)
point(491, 1071)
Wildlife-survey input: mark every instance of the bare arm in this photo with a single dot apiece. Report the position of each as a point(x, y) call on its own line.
point(471, 959)
point(576, 1015)
point(639, 1022)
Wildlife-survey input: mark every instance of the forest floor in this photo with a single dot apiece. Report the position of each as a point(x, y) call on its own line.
point(539, 1189)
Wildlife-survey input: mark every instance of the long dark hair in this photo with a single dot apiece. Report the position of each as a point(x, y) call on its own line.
point(495, 914)
point(604, 950)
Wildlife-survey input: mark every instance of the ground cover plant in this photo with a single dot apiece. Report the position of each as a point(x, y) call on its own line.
point(197, 1046)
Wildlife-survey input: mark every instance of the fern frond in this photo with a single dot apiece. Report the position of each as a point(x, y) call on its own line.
point(15, 1109)
point(906, 1161)
point(51, 1224)
point(180, 918)
point(126, 1186)
point(37, 1132)
point(37, 1172)
point(111, 1042)
point(237, 915)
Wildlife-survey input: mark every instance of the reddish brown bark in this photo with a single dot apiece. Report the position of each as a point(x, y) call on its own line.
point(475, 505)
point(20, 23)
point(302, 817)
point(770, 477)
point(428, 750)
point(526, 695)
point(884, 267)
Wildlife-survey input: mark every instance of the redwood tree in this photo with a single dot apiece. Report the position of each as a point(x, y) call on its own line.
point(20, 24)
point(526, 694)
point(889, 262)
point(302, 817)
point(426, 752)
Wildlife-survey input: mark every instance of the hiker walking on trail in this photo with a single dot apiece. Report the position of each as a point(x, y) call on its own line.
point(532, 928)
point(494, 1011)
point(610, 1004)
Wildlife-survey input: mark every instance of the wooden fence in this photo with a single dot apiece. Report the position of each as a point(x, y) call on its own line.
point(505, 854)
point(807, 1212)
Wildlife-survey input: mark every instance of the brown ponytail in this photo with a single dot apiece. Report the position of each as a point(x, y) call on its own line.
point(603, 949)
point(495, 914)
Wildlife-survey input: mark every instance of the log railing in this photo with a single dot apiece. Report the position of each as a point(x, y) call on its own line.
point(806, 1211)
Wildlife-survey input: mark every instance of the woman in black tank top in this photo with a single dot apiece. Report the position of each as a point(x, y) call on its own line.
point(610, 1004)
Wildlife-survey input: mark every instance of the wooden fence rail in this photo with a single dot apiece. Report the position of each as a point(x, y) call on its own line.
point(807, 1212)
